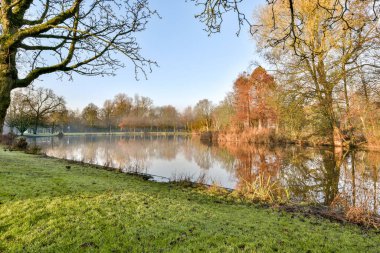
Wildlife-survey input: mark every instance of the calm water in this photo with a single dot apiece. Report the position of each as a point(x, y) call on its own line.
point(308, 174)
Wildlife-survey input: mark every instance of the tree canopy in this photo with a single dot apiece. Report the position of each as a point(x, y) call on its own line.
point(67, 36)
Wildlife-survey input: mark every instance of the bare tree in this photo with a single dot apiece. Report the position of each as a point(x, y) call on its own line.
point(213, 11)
point(187, 118)
point(73, 36)
point(108, 113)
point(18, 115)
point(167, 117)
point(41, 103)
point(142, 105)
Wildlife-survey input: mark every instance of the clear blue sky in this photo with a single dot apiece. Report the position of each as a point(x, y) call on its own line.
point(192, 65)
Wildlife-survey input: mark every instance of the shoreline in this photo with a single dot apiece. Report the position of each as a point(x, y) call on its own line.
point(305, 209)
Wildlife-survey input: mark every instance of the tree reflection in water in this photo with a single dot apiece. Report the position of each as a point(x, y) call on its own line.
point(325, 176)
point(312, 175)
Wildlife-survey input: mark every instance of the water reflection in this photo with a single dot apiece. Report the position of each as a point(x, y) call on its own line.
point(323, 176)
point(307, 174)
point(166, 156)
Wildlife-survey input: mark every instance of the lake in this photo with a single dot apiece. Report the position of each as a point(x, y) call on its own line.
point(311, 175)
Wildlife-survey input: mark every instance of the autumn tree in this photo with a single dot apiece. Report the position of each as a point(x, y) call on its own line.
point(252, 99)
point(203, 113)
point(90, 115)
point(242, 100)
point(122, 107)
point(67, 36)
point(212, 13)
point(323, 53)
point(58, 118)
point(262, 93)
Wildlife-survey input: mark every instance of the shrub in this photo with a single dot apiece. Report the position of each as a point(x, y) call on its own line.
point(20, 144)
point(35, 150)
point(359, 214)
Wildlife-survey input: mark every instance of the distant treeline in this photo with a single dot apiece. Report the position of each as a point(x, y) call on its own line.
point(40, 109)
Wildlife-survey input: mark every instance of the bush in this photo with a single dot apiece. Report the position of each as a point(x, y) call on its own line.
point(358, 214)
point(35, 150)
point(20, 144)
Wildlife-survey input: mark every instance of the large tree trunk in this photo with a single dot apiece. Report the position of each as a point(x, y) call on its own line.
point(53, 128)
point(336, 137)
point(35, 127)
point(8, 77)
point(6, 83)
point(5, 100)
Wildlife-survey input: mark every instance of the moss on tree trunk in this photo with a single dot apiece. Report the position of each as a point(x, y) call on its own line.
point(5, 93)
point(8, 78)
point(4, 103)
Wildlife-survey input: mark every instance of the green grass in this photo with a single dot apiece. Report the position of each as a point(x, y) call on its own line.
point(48, 208)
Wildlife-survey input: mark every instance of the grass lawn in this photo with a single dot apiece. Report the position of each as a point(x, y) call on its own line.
point(45, 207)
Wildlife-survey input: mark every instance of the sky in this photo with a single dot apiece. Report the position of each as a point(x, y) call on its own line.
point(192, 64)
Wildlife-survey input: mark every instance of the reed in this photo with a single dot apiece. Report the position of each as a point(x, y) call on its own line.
point(262, 189)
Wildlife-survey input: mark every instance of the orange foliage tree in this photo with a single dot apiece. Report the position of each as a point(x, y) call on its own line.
point(253, 96)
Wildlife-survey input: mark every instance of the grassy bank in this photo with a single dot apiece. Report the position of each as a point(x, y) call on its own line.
point(47, 206)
